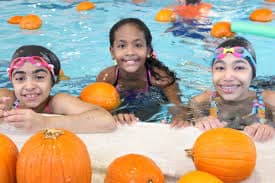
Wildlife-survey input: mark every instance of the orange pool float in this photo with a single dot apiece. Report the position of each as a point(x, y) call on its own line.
point(30, 22)
point(165, 15)
point(101, 94)
point(15, 19)
point(261, 15)
point(85, 5)
point(221, 29)
point(133, 168)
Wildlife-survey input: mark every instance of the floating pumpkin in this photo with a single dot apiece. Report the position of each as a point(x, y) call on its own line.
point(15, 19)
point(270, 1)
point(133, 168)
point(199, 177)
point(54, 156)
point(30, 22)
point(8, 157)
point(226, 153)
point(221, 29)
point(62, 76)
point(261, 15)
point(85, 5)
point(165, 15)
point(102, 94)
point(193, 11)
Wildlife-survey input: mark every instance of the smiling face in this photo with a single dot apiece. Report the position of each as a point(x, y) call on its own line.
point(32, 85)
point(129, 48)
point(232, 77)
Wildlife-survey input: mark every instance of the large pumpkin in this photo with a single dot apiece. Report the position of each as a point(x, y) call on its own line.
point(226, 153)
point(8, 157)
point(54, 156)
point(199, 177)
point(133, 168)
point(102, 94)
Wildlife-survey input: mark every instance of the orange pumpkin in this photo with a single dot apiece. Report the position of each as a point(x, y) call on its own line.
point(15, 19)
point(165, 15)
point(199, 177)
point(261, 15)
point(30, 22)
point(226, 153)
point(52, 156)
point(8, 157)
point(101, 94)
point(270, 1)
point(133, 168)
point(85, 5)
point(221, 29)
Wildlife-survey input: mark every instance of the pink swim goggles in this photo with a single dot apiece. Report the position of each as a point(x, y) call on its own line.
point(34, 60)
point(237, 51)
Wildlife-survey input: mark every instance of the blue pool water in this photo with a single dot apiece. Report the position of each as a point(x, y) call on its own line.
point(81, 39)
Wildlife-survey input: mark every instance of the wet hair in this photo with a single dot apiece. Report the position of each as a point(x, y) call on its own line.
point(242, 42)
point(36, 50)
point(151, 61)
point(192, 2)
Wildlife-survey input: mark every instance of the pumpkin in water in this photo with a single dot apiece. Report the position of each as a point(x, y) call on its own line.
point(199, 177)
point(8, 157)
point(15, 19)
point(261, 15)
point(101, 94)
point(221, 29)
point(85, 5)
point(54, 156)
point(165, 15)
point(30, 22)
point(133, 168)
point(226, 153)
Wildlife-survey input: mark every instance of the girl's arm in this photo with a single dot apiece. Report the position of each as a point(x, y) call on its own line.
point(78, 116)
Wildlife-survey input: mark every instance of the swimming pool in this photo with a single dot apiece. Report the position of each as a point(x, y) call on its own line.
point(81, 39)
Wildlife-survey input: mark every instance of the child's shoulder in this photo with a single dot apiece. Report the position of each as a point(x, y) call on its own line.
point(107, 75)
point(203, 97)
point(269, 97)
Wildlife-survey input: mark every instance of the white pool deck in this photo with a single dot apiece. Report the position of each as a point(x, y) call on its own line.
point(164, 145)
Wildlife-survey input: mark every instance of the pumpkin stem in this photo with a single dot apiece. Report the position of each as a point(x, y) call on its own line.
point(150, 181)
point(51, 133)
point(189, 152)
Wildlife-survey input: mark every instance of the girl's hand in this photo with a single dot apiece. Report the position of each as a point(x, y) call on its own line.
point(25, 119)
point(209, 122)
point(4, 105)
point(260, 132)
point(125, 118)
point(178, 122)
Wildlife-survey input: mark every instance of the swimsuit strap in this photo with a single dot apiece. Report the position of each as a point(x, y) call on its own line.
point(259, 107)
point(116, 75)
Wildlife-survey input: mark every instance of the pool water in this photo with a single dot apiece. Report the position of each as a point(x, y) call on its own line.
point(80, 40)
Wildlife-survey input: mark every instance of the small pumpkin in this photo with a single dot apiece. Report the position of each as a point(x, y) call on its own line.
point(226, 153)
point(134, 168)
point(222, 29)
point(15, 19)
point(102, 94)
point(8, 157)
point(199, 177)
point(54, 155)
point(165, 15)
point(85, 5)
point(261, 15)
point(30, 22)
